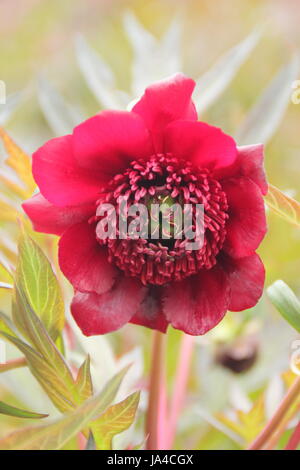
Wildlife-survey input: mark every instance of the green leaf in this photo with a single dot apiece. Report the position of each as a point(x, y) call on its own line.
point(35, 275)
point(286, 207)
point(12, 411)
point(54, 436)
point(44, 359)
point(116, 419)
point(46, 362)
point(5, 325)
point(286, 303)
point(264, 118)
point(84, 380)
point(58, 387)
point(60, 344)
point(219, 76)
point(37, 334)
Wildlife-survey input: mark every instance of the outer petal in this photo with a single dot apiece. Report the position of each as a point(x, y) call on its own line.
point(99, 314)
point(83, 261)
point(246, 226)
point(249, 163)
point(110, 140)
point(150, 312)
point(59, 177)
point(166, 101)
point(48, 218)
point(197, 304)
point(246, 278)
point(206, 146)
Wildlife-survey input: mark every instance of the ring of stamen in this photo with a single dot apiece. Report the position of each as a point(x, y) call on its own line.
point(156, 261)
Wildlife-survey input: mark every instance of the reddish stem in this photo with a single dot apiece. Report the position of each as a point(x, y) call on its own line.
point(156, 415)
point(294, 440)
point(272, 426)
point(13, 364)
point(180, 385)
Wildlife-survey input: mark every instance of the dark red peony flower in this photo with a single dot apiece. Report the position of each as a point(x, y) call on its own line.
point(157, 148)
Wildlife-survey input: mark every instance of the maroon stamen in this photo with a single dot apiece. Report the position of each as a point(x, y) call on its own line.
point(157, 261)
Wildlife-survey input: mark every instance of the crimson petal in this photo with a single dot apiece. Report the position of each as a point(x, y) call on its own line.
point(249, 163)
point(206, 146)
point(110, 140)
point(246, 226)
point(246, 277)
point(197, 304)
point(58, 176)
point(150, 312)
point(100, 314)
point(83, 261)
point(164, 102)
point(48, 218)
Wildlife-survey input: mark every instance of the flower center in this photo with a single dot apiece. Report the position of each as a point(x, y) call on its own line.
point(165, 254)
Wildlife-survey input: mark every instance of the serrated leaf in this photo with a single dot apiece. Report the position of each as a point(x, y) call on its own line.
point(58, 387)
point(215, 80)
point(61, 116)
point(84, 380)
point(31, 327)
point(283, 205)
point(54, 436)
point(264, 118)
point(44, 360)
point(18, 413)
point(115, 420)
point(98, 75)
point(286, 303)
point(46, 364)
point(37, 279)
point(19, 161)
